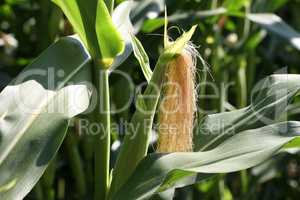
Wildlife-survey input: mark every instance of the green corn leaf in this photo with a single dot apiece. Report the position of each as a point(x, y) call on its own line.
point(135, 145)
point(270, 98)
point(28, 141)
point(33, 124)
point(142, 57)
point(93, 23)
point(158, 172)
point(72, 66)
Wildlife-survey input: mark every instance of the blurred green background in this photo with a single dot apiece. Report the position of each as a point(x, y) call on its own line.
point(240, 48)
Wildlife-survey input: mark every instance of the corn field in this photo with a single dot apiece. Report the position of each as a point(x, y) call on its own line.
point(149, 99)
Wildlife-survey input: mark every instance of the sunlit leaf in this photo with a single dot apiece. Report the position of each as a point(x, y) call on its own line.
point(34, 120)
point(92, 21)
point(242, 151)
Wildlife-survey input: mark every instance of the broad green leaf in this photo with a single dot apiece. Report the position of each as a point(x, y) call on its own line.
point(55, 67)
point(270, 98)
point(136, 142)
point(33, 125)
point(142, 57)
point(158, 172)
point(276, 25)
point(29, 140)
point(92, 21)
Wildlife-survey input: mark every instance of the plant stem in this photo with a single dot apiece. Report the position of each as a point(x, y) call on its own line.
point(102, 140)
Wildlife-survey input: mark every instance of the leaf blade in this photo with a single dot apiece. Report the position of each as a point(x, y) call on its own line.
point(24, 158)
point(154, 170)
